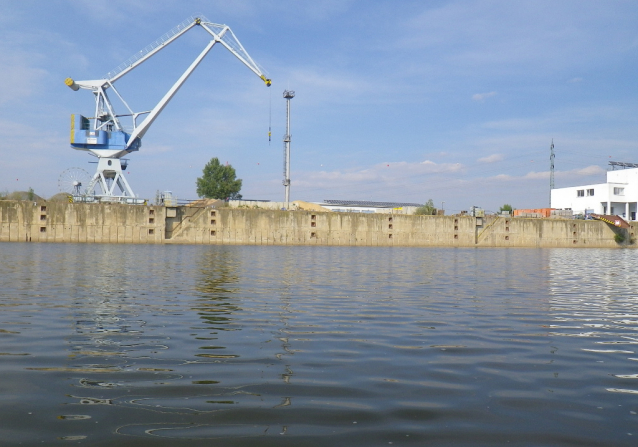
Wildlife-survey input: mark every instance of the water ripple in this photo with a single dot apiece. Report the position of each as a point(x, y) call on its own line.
point(317, 346)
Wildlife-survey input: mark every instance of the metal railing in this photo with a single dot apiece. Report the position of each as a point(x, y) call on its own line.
point(152, 46)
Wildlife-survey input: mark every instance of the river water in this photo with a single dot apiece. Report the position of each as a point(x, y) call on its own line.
point(107, 345)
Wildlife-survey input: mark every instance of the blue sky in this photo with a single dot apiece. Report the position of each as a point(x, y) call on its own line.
point(457, 101)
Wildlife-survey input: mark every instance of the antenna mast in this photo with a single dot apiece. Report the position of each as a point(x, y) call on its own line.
point(551, 171)
point(288, 95)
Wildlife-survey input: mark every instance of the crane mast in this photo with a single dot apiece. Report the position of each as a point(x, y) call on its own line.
point(106, 138)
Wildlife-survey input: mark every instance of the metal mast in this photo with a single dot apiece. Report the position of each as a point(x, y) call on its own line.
point(551, 171)
point(288, 95)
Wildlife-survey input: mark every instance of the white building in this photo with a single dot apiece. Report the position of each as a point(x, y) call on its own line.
point(618, 196)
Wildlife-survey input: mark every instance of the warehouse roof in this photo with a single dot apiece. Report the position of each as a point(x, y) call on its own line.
point(369, 204)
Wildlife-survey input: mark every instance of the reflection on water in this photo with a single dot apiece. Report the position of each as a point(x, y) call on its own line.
point(595, 297)
point(154, 345)
point(217, 302)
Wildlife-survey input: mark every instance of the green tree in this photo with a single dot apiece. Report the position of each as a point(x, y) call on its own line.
point(218, 181)
point(507, 208)
point(426, 210)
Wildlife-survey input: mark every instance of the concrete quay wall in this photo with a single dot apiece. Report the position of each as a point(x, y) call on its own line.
point(23, 221)
point(114, 223)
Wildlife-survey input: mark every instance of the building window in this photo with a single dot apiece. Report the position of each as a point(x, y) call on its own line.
point(619, 191)
point(580, 193)
point(590, 192)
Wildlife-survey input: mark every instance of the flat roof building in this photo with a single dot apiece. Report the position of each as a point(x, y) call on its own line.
point(618, 196)
point(364, 206)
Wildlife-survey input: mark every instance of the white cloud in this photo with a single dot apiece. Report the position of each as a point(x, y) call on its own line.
point(588, 171)
point(491, 158)
point(383, 181)
point(483, 96)
point(330, 85)
point(363, 95)
point(500, 38)
point(431, 167)
point(383, 172)
point(403, 169)
point(572, 174)
point(536, 175)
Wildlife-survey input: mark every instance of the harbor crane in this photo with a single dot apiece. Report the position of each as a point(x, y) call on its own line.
point(105, 137)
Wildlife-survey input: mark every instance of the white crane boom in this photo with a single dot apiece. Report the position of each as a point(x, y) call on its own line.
point(142, 128)
point(150, 50)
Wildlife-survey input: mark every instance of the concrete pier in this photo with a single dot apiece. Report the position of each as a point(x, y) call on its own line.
point(23, 221)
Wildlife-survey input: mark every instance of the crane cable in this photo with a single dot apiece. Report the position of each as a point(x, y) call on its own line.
point(269, 116)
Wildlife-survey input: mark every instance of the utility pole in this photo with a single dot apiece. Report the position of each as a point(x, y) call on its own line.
point(551, 171)
point(288, 95)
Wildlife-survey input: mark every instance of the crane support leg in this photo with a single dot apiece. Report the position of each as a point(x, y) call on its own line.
point(109, 175)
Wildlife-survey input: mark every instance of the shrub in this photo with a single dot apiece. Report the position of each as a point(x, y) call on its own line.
point(426, 210)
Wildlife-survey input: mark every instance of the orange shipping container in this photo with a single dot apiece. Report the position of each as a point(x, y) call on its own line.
point(544, 212)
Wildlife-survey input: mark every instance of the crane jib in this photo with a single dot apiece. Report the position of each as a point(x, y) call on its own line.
point(104, 135)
